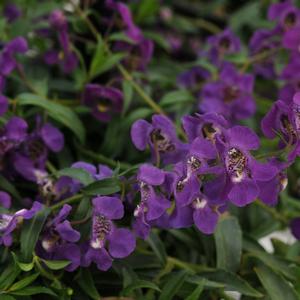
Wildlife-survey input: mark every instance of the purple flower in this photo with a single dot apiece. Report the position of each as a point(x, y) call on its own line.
point(58, 237)
point(243, 172)
point(223, 43)
point(7, 57)
point(141, 49)
point(5, 200)
point(12, 135)
point(204, 125)
point(284, 118)
point(152, 204)
point(66, 57)
point(104, 101)
point(286, 13)
point(9, 222)
point(295, 228)
point(264, 40)
point(189, 173)
point(291, 75)
point(121, 241)
point(269, 190)
point(230, 96)
point(11, 12)
point(160, 136)
point(30, 159)
point(193, 78)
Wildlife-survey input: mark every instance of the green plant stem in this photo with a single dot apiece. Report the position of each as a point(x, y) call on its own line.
point(69, 200)
point(258, 57)
point(103, 159)
point(273, 212)
point(122, 70)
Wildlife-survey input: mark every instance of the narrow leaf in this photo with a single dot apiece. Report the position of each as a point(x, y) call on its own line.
point(23, 283)
point(30, 233)
point(157, 247)
point(87, 284)
point(276, 286)
point(105, 186)
point(33, 290)
point(58, 112)
point(173, 285)
point(56, 264)
point(77, 173)
point(229, 249)
point(140, 284)
point(197, 292)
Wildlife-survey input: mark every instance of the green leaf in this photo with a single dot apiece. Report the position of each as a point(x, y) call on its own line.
point(278, 264)
point(232, 282)
point(120, 36)
point(157, 247)
point(173, 285)
point(102, 61)
point(26, 267)
point(31, 231)
point(174, 97)
point(128, 93)
point(139, 284)
point(56, 264)
point(276, 286)
point(77, 173)
point(197, 292)
point(9, 275)
point(33, 290)
point(23, 283)
point(146, 9)
point(105, 186)
point(229, 250)
point(58, 112)
point(10, 188)
point(87, 284)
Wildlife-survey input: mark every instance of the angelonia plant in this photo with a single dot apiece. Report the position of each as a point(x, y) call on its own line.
point(149, 150)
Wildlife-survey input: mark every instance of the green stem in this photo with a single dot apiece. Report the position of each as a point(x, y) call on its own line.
point(122, 70)
point(99, 158)
point(69, 200)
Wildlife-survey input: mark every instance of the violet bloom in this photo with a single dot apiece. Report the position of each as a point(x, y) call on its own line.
point(295, 228)
point(66, 57)
point(291, 74)
point(189, 172)
point(59, 238)
point(230, 95)
point(7, 56)
point(9, 221)
point(193, 78)
point(287, 15)
point(11, 12)
point(160, 135)
point(264, 40)
point(242, 170)
point(204, 125)
point(269, 190)
point(284, 118)
point(11, 136)
point(104, 101)
point(153, 204)
point(107, 241)
point(141, 49)
point(31, 157)
point(221, 44)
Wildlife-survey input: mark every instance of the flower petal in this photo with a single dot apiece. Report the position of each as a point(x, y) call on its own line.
point(111, 207)
point(121, 243)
